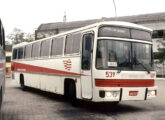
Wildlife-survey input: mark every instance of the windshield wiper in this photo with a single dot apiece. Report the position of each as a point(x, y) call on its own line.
point(140, 63)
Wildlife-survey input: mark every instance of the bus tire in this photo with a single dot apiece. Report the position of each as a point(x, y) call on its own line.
point(72, 94)
point(22, 85)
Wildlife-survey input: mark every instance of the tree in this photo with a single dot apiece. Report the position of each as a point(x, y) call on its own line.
point(18, 36)
point(160, 55)
point(29, 37)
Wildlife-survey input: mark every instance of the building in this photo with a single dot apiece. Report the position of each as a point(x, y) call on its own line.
point(155, 21)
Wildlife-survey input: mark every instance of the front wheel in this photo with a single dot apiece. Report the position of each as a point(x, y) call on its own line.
point(23, 86)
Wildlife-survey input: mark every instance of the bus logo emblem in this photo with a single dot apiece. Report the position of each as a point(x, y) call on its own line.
point(67, 64)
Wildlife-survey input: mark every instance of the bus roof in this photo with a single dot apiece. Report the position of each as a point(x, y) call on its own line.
point(114, 23)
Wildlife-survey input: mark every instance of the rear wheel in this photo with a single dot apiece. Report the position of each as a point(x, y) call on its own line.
point(72, 94)
point(22, 83)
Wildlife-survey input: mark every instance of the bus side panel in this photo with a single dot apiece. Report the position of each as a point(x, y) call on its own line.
point(49, 74)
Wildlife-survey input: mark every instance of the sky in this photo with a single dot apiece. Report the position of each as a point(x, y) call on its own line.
point(27, 15)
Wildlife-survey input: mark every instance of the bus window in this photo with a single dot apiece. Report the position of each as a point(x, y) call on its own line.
point(76, 43)
point(86, 51)
point(35, 49)
point(68, 45)
point(57, 46)
point(73, 43)
point(28, 51)
point(45, 45)
point(20, 53)
point(1, 36)
point(15, 54)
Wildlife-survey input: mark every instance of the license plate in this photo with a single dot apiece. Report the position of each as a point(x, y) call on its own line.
point(133, 93)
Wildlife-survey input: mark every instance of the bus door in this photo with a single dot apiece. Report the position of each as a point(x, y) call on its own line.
point(86, 63)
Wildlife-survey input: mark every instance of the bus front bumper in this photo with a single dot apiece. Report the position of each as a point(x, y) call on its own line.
point(107, 94)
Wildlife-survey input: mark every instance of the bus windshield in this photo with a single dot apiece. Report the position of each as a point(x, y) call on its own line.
point(123, 55)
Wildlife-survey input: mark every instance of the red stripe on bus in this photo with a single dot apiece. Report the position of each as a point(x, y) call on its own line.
point(124, 83)
point(20, 67)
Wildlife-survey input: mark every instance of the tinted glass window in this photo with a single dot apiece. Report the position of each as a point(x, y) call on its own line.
point(86, 51)
point(141, 35)
point(76, 43)
point(28, 51)
point(112, 54)
point(1, 35)
point(36, 49)
point(45, 46)
point(73, 43)
point(57, 46)
point(15, 54)
point(20, 53)
point(110, 31)
point(2, 38)
point(68, 45)
point(142, 54)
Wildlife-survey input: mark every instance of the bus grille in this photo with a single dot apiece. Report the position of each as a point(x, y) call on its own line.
point(124, 83)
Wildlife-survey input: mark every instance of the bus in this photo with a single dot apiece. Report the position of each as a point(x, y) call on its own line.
point(8, 64)
point(2, 62)
point(102, 62)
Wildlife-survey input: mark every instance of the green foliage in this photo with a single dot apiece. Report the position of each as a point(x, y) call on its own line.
point(161, 54)
point(18, 36)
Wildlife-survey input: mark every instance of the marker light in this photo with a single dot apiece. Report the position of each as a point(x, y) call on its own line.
point(151, 93)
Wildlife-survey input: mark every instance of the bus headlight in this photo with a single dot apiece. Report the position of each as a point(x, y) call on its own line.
point(151, 93)
point(112, 94)
point(109, 94)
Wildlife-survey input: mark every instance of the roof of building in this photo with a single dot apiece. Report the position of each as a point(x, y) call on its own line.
point(76, 24)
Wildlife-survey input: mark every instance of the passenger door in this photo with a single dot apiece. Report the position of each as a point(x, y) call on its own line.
point(86, 63)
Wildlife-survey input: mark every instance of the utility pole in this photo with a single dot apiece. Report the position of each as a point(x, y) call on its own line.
point(64, 18)
point(115, 8)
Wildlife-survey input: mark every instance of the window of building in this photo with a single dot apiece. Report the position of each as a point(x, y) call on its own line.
point(36, 49)
point(28, 51)
point(158, 34)
point(57, 46)
point(45, 46)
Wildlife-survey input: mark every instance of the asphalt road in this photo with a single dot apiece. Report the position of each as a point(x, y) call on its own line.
point(37, 105)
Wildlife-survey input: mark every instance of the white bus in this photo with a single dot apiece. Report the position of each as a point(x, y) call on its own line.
point(103, 62)
point(2, 62)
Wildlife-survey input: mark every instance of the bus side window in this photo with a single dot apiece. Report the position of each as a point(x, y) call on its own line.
point(20, 53)
point(14, 54)
point(27, 52)
point(35, 49)
point(86, 51)
point(45, 45)
point(1, 37)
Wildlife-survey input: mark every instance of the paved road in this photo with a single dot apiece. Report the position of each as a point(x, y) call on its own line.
point(37, 105)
